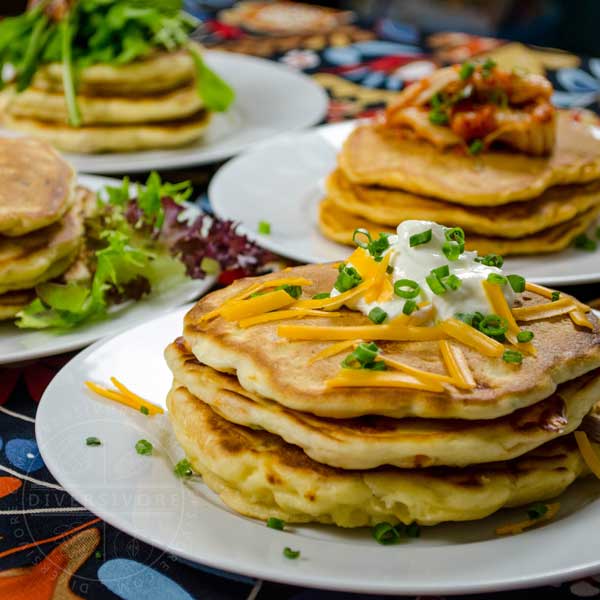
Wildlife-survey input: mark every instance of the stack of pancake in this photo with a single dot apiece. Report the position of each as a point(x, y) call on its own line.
point(507, 202)
point(41, 220)
point(277, 428)
point(149, 103)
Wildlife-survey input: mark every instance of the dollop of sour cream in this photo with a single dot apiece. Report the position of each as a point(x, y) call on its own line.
point(417, 262)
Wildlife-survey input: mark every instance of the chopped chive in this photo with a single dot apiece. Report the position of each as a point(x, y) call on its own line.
point(490, 260)
point(98, 555)
point(363, 357)
point(420, 238)
point(472, 319)
point(358, 241)
point(487, 67)
point(493, 325)
point(555, 296)
point(378, 365)
point(385, 534)
point(512, 356)
point(453, 282)
point(264, 227)
point(321, 296)
point(438, 117)
point(144, 410)
point(466, 70)
point(455, 234)
point(413, 530)
point(366, 353)
point(377, 315)
point(295, 291)
point(441, 272)
point(517, 283)
point(537, 510)
point(348, 278)
point(524, 336)
point(583, 242)
point(451, 250)
point(379, 246)
point(92, 441)
point(435, 285)
point(436, 100)
point(409, 307)
point(406, 288)
point(183, 469)
point(497, 279)
point(291, 554)
point(475, 147)
point(143, 447)
point(275, 523)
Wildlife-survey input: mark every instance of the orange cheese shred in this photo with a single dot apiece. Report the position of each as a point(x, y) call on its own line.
point(457, 366)
point(544, 311)
point(579, 318)
point(126, 397)
point(333, 350)
point(258, 305)
point(515, 528)
point(547, 293)
point(471, 337)
point(433, 379)
point(587, 452)
point(278, 315)
point(367, 378)
point(364, 263)
point(379, 276)
point(402, 333)
point(386, 292)
point(335, 303)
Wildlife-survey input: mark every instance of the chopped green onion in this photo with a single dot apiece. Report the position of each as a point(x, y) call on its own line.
point(406, 288)
point(413, 530)
point(517, 283)
point(358, 242)
point(537, 510)
point(409, 307)
point(377, 315)
point(143, 447)
point(291, 554)
point(524, 336)
point(497, 279)
point(321, 296)
point(475, 147)
point(555, 296)
point(512, 356)
point(144, 410)
point(453, 282)
point(493, 325)
point(420, 238)
point(295, 291)
point(441, 272)
point(378, 365)
point(490, 260)
point(348, 278)
point(98, 554)
point(379, 246)
point(466, 70)
point(583, 242)
point(264, 227)
point(385, 534)
point(92, 441)
point(363, 357)
point(438, 117)
point(451, 250)
point(436, 100)
point(366, 353)
point(183, 469)
point(435, 285)
point(455, 234)
point(274, 523)
point(487, 67)
point(472, 319)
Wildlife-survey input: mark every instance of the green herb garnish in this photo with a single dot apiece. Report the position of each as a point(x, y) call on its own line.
point(264, 227)
point(475, 147)
point(375, 247)
point(406, 288)
point(183, 469)
point(524, 336)
point(92, 441)
point(555, 296)
point(295, 291)
point(291, 554)
point(348, 278)
point(143, 447)
point(517, 283)
point(451, 250)
point(385, 534)
point(377, 315)
point(497, 279)
point(364, 357)
point(537, 510)
point(493, 325)
point(275, 523)
point(144, 410)
point(435, 285)
point(321, 296)
point(512, 356)
point(466, 70)
point(420, 238)
point(438, 117)
point(490, 260)
point(409, 307)
point(583, 242)
point(453, 282)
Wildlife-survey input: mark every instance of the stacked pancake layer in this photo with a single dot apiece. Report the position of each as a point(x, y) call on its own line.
point(150, 103)
point(507, 203)
point(41, 220)
point(258, 420)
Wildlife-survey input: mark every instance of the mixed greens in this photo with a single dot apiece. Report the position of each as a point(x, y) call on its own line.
point(140, 240)
point(114, 32)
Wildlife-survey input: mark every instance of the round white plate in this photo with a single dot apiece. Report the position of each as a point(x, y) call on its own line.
point(141, 496)
point(281, 181)
point(271, 98)
point(18, 345)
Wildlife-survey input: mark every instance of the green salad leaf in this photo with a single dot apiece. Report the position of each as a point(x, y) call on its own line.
point(215, 93)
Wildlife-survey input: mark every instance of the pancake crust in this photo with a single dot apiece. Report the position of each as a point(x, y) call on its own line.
point(115, 138)
point(372, 155)
point(514, 220)
point(42, 254)
point(52, 107)
point(370, 442)
point(12, 302)
point(259, 475)
point(278, 369)
point(36, 186)
point(339, 225)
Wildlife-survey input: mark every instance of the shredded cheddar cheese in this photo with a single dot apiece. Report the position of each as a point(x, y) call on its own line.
point(515, 528)
point(434, 379)
point(544, 311)
point(587, 452)
point(547, 293)
point(402, 333)
point(333, 350)
point(335, 303)
point(124, 396)
point(278, 315)
point(471, 337)
point(258, 305)
point(367, 378)
point(457, 366)
point(579, 318)
point(379, 276)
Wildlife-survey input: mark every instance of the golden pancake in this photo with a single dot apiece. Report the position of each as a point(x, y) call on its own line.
point(36, 186)
point(41, 255)
point(514, 220)
point(158, 73)
point(372, 155)
point(279, 369)
point(369, 442)
point(12, 302)
point(115, 138)
point(259, 475)
point(52, 107)
point(339, 225)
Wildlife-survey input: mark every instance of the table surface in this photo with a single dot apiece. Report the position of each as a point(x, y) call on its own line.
point(50, 546)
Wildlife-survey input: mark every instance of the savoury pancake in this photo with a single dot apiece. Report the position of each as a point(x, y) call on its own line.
point(36, 186)
point(41, 255)
point(369, 442)
point(373, 155)
point(52, 107)
point(12, 302)
point(158, 73)
point(276, 368)
point(514, 220)
point(114, 138)
point(339, 225)
point(259, 475)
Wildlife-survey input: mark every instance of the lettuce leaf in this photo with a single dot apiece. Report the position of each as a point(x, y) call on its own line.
point(216, 94)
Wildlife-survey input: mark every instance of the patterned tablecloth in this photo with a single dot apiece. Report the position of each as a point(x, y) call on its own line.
point(50, 546)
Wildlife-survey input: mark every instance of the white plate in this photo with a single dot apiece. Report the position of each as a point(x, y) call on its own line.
point(281, 181)
point(18, 344)
point(271, 98)
point(141, 496)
